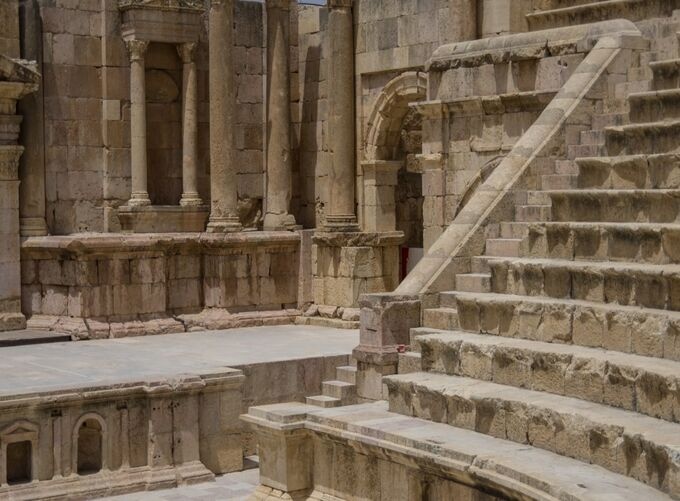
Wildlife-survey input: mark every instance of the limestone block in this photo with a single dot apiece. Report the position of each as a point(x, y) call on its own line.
point(54, 300)
point(147, 270)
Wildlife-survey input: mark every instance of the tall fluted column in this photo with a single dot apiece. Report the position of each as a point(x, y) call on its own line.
point(140, 193)
point(463, 16)
point(341, 213)
point(189, 126)
point(32, 164)
point(279, 162)
point(223, 188)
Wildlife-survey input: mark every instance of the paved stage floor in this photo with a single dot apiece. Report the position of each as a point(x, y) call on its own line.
point(45, 367)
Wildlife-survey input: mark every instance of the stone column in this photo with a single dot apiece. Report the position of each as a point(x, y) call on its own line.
point(140, 193)
point(32, 137)
point(463, 16)
point(223, 187)
point(341, 213)
point(279, 162)
point(189, 126)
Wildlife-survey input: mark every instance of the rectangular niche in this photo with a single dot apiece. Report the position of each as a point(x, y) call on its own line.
point(19, 462)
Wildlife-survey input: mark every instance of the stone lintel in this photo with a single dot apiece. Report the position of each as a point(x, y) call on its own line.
point(156, 24)
point(358, 239)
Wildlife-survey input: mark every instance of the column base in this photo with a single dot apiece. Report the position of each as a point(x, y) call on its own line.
point(33, 227)
point(341, 223)
point(280, 222)
point(190, 200)
point(12, 321)
point(230, 224)
point(140, 199)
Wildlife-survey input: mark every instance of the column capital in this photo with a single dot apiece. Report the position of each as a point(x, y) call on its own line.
point(278, 4)
point(136, 49)
point(340, 4)
point(187, 51)
point(220, 3)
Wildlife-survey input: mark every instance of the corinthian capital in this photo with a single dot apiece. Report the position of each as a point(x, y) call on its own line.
point(186, 52)
point(136, 49)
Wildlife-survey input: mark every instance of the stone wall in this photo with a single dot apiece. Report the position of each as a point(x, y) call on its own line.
point(105, 286)
point(9, 20)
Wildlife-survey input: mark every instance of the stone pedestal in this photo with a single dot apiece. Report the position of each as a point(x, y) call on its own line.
point(386, 322)
point(347, 265)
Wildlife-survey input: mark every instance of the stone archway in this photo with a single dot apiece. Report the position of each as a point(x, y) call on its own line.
point(391, 175)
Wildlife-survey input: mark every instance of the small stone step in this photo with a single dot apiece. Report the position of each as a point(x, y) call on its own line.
point(628, 329)
point(565, 167)
point(581, 13)
point(346, 392)
point(625, 89)
point(346, 374)
point(592, 137)
point(558, 182)
point(31, 336)
point(660, 171)
point(513, 229)
point(505, 247)
point(634, 284)
point(323, 401)
point(648, 137)
point(440, 318)
point(641, 206)
point(537, 198)
point(630, 382)
point(409, 362)
point(532, 213)
point(558, 424)
point(575, 151)
point(608, 120)
point(473, 282)
point(480, 264)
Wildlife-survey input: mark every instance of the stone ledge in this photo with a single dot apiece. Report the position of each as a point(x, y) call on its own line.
point(358, 239)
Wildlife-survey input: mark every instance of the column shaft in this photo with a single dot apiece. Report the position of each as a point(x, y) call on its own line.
point(223, 187)
point(341, 215)
point(279, 162)
point(463, 16)
point(140, 193)
point(189, 127)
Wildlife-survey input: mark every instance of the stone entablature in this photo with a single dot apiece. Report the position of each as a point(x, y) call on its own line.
point(138, 434)
point(99, 286)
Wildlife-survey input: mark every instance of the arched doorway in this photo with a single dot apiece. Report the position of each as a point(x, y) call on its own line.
point(89, 445)
point(393, 198)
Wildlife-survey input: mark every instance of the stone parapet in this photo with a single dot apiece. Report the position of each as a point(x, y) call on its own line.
point(134, 435)
point(103, 285)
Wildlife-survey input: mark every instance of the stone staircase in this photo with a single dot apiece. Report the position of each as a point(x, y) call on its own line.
point(565, 336)
point(338, 392)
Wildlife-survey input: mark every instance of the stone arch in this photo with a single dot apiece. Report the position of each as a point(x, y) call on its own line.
point(19, 453)
point(89, 450)
point(389, 111)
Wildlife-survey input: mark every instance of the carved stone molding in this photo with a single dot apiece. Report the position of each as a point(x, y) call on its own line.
point(136, 49)
point(162, 4)
point(187, 51)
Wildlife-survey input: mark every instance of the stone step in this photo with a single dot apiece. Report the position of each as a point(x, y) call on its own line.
point(648, 137)
point(31, 336)
point(503, 247)
point(582, 13)
point(586, 431)
point(532, 213)
point(642, 206)
point(480, 264)
point(558, 181)
point(666, 74)
point(600, 121)
point(575, 151)
point(591, 137)
point(513, 229)
point(633, 284)
point(661, 171)
point(441, 318)
point(653, 243)
point(628, 329)
point(409, 362)
point(473, 282)
point(630, 382)
point(654, 106)
point(565, 167)
point(323, 401)
point(625, 89)
point(530, 472)
point(346, 392)
point(537, 197)
point(346, 374)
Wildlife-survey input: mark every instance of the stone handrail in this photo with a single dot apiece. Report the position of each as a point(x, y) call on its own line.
point(464, 236)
